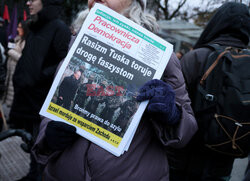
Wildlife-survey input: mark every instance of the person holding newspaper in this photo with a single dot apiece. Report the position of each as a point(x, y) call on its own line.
point(167, 122)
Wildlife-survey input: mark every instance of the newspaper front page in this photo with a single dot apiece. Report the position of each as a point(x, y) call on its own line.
point(96, 87)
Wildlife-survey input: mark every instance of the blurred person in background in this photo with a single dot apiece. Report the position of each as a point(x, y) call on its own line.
point(179, 54)
point(168, 121)
point(14, 53)
point(46, 45)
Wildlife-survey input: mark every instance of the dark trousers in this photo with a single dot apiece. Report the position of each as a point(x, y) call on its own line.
point(36, 169)
point(247, 173)
point(66, 103)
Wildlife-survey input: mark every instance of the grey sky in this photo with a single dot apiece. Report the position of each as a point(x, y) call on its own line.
point(203, 3)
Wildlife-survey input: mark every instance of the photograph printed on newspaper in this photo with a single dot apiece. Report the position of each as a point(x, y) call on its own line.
point(95, 88)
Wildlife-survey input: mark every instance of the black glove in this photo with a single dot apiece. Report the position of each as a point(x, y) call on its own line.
point(59, 135)
point(161, 101)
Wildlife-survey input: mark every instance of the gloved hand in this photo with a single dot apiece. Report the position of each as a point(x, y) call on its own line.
point(59, 135)
point(161, 101)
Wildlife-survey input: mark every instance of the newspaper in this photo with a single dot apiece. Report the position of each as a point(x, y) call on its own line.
point(113, 57)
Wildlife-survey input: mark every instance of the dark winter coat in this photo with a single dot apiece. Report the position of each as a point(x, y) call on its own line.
point(145, 160)
point(46, 45)
point(67, 89)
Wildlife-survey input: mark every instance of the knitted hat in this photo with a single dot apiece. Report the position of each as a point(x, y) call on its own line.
point(52, 2)
point(143, 3)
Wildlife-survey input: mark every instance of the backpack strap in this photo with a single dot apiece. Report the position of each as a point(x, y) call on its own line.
point(221, 51)
point(206, 95)
point(210, 69)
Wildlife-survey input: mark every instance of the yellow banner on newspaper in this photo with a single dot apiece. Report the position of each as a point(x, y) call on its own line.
point(84, 124)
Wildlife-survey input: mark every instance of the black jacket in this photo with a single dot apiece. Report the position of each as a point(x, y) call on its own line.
point(46, 45)
point(68, 87)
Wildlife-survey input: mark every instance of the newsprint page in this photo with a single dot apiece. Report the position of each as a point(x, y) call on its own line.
point(95, 88)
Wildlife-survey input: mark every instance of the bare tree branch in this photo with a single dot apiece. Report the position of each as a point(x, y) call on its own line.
point(164, 9)
point(176, 11)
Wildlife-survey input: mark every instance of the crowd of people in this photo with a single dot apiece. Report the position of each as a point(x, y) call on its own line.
point(98, 96)
point(167, 145)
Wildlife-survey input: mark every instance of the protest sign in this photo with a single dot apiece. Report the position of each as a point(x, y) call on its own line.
point(113, 57)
